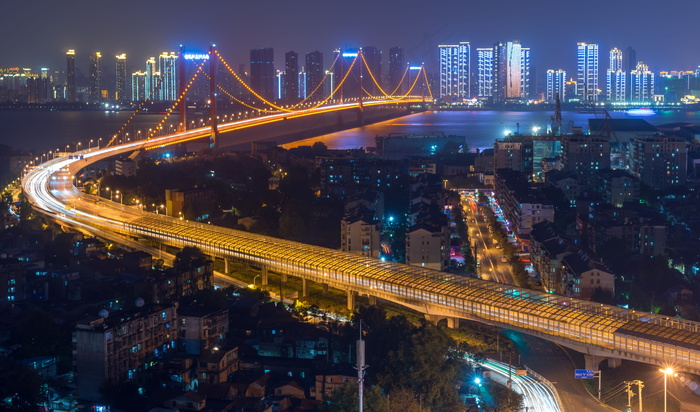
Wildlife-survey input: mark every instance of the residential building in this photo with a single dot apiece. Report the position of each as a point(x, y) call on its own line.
point(616, 78)
point(556, 85)
point(314, 74)
point(122, 85)
point(262, 72)
point(373, 57)
point(95, 89)
point(455, 80)
point(484, 72)
point(201, 328)
point(359, 232)
point(291, 76)
point(327, 384)
point(217, 365)
point(397, 67)
point(584, 154)
point(659, 161)
point(167, 67)
point(616, 186)
point(642, 84)
point(522, 206)
point(138, 86)
point(587, 71)
point(70, 76)
point(583, 277)
point(113, 348)
point(152, 79)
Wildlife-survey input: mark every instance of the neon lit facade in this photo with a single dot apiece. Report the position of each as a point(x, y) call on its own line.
point(455, 78)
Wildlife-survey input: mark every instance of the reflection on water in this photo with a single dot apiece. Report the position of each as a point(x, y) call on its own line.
point(480, 127)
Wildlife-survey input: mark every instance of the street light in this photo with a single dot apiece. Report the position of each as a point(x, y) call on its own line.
point(666, 372)
point(254, 279)
point(120, 197)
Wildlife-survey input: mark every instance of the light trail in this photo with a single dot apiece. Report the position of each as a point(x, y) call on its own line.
point(537, 396)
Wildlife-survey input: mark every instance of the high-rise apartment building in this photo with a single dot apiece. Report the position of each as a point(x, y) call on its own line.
point(167, 70)
point(95, 89)
point(138, 86)
point(484, 72)
point(70, 76)
point(556, 85)
point(455, 80)
point(659, 161)
point(642, 84)
point(262, 72)
point(314, 74)
point(290, 88)
point(504, 71)
point(587, 71)
point(121, 79)
point(397, 67)
point(347, 74)
point(373, 57)
point(152, 79)
point(616, 78)
point(301, 80)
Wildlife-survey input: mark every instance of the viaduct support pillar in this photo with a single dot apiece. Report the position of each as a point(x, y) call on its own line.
point(593, 361)
point(263, 275)
point(372, 300)
point(434, 319)
point(453, 323)
point(304, 287)
point(226, 266)
point(614, 363)
point(325, 287)
point(283, 277)
point(351, 299)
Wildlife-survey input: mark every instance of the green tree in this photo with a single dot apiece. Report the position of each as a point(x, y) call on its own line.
point(189, 258)
point(346, 399)
point(294, 221)
point(506, 400)
point(404, 400)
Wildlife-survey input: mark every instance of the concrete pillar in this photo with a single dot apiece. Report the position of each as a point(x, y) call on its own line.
point(453, 323)
point(372, 300)
point(304, 287)
point(226, 264)
point(614, 363)
point(263, 275)
point(325, 287)
point(593, 361)
point(434, 319)
point(351, 299)
point(283, 276)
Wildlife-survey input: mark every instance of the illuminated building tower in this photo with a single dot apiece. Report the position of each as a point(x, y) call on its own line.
point(616, 78)
point(342, 70)
point(291, 76)
point(374, 64)
point(314, 74)
point(95, 88)
point(511, 71)
point(122, 83)
point(167, 68)
point(301, 80)
point(455, 71)
point(631, 64)
point(556, 85)
point(571, 90)
point(397, 66)
point(262, 72)
point(152, 79)
point(525, 85)
point(484, 66)
point(642, 84)
point(138, 86)
point(587, 70)
point(70, 76)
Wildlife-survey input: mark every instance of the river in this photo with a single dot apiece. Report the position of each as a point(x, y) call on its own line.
point(39, 131)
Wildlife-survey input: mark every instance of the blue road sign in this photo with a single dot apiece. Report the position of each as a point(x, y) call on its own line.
point(584, 374)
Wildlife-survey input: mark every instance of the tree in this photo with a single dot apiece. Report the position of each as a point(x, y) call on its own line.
point(20, 387)
point(404, 400)
point(294, 221)
point(346, 399)
point(506, 400)
point(189, 258)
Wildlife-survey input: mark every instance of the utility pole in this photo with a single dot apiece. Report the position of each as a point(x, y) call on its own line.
point(640, 385)
point(360, 367)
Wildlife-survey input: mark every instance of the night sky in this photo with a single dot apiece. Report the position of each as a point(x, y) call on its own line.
point(37, 33)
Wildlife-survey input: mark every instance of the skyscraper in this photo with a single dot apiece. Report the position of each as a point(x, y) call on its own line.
point(630, 65)
point(95, 88)
point(484, 72)
point(70, 76)
point(642, 85)
point(167, 69)
point(291, 76)
point(511, 71)
point(556, 85)
point(152, 79)
point(138, 86)
point(455, 75)
point(587, 71)
point(616, 78)
point(302, 83)
point(373, 57)
point(121, 85)
point(347, 74)
point(262, 72)
point(314, 74)
point(397, 66)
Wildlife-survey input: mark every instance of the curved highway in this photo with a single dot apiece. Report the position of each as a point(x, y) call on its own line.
point(591, 328)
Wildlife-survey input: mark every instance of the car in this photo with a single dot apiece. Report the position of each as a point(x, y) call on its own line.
point(504, 259)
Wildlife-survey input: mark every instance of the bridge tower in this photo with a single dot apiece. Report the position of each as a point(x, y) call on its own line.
point(360, 108)
point(182, 80)
point(212, 97)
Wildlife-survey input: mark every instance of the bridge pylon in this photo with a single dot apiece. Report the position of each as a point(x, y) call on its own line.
point(212, 97)
point(182, 80)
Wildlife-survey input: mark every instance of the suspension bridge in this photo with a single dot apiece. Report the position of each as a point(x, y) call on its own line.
point(599, 331)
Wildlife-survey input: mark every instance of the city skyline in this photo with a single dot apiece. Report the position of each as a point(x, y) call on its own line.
point(286, 27)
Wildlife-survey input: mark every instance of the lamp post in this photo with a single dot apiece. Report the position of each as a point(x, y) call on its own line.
point(254, 279)
point(110, 193)
point(666, 372)
point(120, 197)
